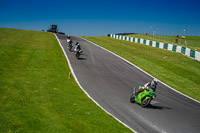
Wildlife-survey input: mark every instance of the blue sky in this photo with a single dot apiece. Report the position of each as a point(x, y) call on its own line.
point(100, 17)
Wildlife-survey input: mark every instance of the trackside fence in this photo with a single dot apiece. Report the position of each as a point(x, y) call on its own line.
point(179, 49)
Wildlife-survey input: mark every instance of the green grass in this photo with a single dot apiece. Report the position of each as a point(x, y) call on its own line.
point(35, 92)
point(174, 69)
point(193, 42)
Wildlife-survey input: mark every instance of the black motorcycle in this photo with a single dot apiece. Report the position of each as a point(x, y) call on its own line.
point(70, 45)
point(78, 53)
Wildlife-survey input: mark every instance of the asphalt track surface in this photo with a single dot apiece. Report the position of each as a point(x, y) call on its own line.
point(109, 80)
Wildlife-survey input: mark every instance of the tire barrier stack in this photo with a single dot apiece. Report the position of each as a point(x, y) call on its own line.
point(179, 49)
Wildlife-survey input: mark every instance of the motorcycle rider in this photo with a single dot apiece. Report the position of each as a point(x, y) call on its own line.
point(148, 85)
point(69, 39)
point(77, 47)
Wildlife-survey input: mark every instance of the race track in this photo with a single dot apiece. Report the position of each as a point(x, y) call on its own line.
point(109, 80)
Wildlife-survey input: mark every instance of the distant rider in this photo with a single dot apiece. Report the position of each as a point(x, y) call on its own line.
point(69, 40)
point(148, 85)
point(77, 47)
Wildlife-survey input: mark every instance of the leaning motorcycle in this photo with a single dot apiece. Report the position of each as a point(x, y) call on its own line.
point(78, 53)
point(143, 98)
point(70, 45)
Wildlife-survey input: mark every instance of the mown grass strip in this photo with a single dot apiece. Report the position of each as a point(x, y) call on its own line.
point(35, 92)
point(192, 42)
point(174, 69)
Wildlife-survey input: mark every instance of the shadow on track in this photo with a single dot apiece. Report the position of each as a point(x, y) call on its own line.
point(157, 107)
point(82, 58)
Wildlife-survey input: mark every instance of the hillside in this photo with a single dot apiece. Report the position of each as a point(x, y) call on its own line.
point(35, 92)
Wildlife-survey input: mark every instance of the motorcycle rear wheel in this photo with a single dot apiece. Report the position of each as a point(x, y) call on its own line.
point(132, 98)
point(77, 55)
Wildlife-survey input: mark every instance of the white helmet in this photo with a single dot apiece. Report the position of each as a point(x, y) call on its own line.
point(155, 81)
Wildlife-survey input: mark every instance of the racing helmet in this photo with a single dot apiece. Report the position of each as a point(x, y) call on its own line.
point(154, 82)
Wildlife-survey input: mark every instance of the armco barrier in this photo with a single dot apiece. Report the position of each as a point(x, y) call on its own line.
point(183, 50)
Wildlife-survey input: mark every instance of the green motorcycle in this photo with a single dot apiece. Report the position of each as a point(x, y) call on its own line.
point(143, 98)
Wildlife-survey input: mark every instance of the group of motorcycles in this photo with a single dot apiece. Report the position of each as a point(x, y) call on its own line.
point(144, 98)
point(74, 48)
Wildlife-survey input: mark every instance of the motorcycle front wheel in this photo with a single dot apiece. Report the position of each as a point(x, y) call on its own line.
point(145, 102)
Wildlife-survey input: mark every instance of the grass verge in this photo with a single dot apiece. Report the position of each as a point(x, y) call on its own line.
point(174, 69)
point(35, 92)
point(193, 42)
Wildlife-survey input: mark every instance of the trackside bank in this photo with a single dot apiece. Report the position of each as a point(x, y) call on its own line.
point(179, 49)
